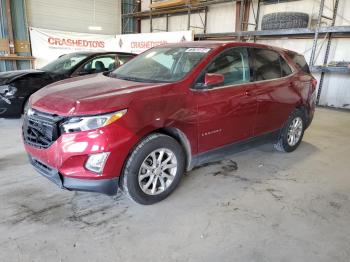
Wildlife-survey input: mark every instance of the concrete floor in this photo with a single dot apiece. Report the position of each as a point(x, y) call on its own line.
point(275, 207)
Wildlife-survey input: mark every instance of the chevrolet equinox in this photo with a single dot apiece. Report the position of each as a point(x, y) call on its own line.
point(174, 107)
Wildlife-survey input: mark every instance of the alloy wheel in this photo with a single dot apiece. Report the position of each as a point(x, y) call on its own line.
point(295, 131)
point(157, 171)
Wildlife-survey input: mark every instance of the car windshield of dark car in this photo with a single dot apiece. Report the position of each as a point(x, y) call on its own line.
point(64, 63)
point(161, 64)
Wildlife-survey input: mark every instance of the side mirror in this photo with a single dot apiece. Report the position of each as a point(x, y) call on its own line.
point(211, 80)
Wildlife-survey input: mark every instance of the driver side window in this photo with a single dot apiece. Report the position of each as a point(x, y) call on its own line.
point(233, 64)
point(98, 65)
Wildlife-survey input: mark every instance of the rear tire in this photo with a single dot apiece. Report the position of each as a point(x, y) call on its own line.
point(153, 170)
point(292, 132)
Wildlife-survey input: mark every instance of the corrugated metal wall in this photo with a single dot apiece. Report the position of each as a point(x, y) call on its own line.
point(75, 16)
point(65, 15)
point(19, 30)
point(4, 66)
point(129, 24)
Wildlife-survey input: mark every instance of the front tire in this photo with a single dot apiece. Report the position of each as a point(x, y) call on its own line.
point(292, 132)
point(154, 169)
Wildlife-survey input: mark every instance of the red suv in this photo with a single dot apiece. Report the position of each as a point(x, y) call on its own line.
point(169, 109)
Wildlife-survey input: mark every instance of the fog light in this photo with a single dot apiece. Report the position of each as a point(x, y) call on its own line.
point(96, 162)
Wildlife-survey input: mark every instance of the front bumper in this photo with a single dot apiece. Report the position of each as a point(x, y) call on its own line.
point(104, 186)
point(14, 109)
point(69, 152)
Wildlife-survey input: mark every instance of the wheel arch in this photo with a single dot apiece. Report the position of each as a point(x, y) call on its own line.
point(181, 138)
point(305, 111)
point(173, 132)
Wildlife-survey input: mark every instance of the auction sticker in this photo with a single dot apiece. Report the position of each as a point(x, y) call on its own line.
point(197, 50)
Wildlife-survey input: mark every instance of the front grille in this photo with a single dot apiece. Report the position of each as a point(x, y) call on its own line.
point(40, 129)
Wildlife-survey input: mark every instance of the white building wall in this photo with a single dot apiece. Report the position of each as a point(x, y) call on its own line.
point(221, 18)
point(75, 16)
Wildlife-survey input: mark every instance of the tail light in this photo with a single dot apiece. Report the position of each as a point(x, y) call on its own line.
point(313, 91)
point(314, 84)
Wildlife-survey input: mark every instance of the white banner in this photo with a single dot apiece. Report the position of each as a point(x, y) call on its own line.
point(48, 45)
point(137, 43)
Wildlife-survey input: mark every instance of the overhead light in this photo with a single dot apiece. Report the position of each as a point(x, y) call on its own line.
point(95, 28)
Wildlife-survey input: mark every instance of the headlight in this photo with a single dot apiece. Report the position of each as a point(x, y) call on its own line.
point(29, 111)
point(8, 90)
point(76, 124)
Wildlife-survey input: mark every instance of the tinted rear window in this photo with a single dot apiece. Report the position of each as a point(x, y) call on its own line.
point(268, 64)
point(285, 68)
point(300, 61)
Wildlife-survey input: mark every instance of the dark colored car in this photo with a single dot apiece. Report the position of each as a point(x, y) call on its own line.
point(169, 109)
point(17, 86)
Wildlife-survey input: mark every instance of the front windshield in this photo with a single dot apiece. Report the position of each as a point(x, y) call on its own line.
point(64, 63)
point(161, 64)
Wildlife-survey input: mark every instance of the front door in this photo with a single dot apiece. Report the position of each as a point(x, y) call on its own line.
point(225, 112)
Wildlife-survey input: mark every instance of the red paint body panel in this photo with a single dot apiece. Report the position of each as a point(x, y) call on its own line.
point(225, 115)
point(208, 119)
point(276, 99)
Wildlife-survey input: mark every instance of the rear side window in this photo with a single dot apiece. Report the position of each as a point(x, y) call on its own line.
point(285, 68)
point(268, 64)
point(300, 61)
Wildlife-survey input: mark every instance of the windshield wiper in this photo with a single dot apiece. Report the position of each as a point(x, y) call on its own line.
point(129, 78)
point(137, 79)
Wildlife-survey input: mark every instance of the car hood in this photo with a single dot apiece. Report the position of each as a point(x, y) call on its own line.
point(10, 76)
point(88, 95)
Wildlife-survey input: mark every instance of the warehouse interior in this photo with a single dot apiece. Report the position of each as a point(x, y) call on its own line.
point(255, 205)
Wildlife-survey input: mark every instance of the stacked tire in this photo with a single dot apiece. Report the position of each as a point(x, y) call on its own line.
point(284, 20)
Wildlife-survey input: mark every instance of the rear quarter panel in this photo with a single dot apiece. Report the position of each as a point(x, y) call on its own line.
point(303, 83)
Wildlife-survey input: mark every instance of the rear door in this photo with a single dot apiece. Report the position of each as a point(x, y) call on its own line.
point(225, 112)
point(274, 91)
